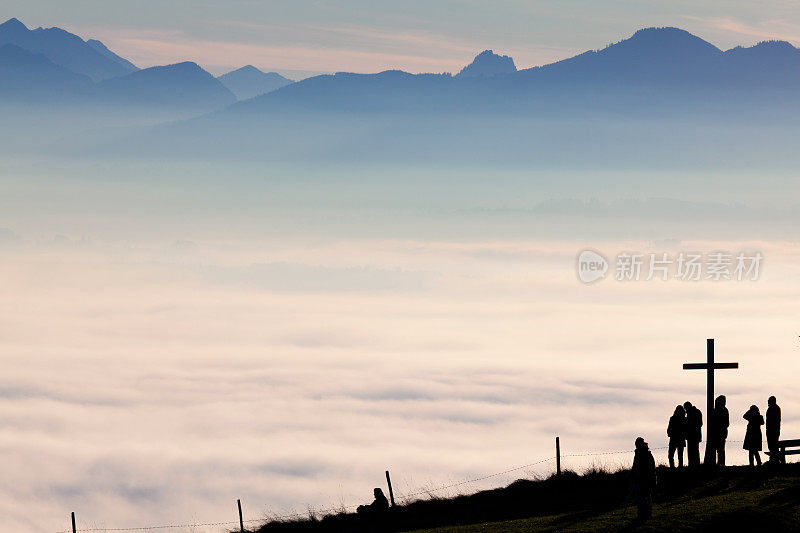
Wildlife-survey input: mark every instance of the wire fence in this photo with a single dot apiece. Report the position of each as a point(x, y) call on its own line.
point(341, 509)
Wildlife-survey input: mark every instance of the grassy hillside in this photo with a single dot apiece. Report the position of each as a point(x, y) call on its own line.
point(766, 499)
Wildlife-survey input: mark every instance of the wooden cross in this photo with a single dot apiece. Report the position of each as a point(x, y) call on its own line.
point(709, 366)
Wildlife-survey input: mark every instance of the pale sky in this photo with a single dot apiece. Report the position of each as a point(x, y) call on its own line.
point(374, 35)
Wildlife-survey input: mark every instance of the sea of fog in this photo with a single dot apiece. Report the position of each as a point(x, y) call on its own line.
point(179, 335)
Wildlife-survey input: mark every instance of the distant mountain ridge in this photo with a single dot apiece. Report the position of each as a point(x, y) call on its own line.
point(667, 63)
point(663, 95)
point(248, 82)
point(653, 65)
point(92, 59)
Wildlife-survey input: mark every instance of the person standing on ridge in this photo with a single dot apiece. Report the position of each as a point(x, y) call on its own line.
point(676, 431)
point(643, 479)
point(694, 433)
point(753, 437)
point(719, 430)
point(774, 431)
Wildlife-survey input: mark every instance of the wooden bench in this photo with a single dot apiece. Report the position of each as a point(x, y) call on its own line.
point(787, 447)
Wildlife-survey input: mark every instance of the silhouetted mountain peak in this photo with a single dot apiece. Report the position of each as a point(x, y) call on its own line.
point(785, 45)
point(13, 23)
point(12, 29)
point(183, 84)
point(664, 54)
point(185, 72)
point(766, 47)
point(487, 63)
point(248, 81)
point(675, 41)
point(183, 66)
point(766, 56)
point(65, 49)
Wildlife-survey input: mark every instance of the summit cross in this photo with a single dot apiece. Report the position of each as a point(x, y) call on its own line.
point(709, 366)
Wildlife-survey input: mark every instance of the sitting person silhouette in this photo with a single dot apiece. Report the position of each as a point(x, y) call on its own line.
point(753, 437)
point(380, 505)
point(643, 479)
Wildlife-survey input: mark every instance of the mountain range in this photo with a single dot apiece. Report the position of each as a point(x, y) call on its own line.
point(654, 77)
point(655, 69)
point(53, 66)
point(665, 65)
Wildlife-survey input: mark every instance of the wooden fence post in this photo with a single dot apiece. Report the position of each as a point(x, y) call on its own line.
point(241, 522)
point(391, 492)
point(558, 456)
point(73, 522)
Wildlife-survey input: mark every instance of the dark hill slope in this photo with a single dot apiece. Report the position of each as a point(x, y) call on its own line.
point(734, 499)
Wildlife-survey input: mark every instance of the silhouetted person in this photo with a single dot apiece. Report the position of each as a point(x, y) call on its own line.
point(694, 433)
point(676, 430)
point(774, 430)
point(719, 428)
point(752, 438)
point(379, 505)
point(643, 479)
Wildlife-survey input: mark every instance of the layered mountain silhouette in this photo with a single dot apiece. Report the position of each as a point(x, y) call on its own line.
point(487, 63)
point(63, 48)
point(657, 78)
point(248, 82)
point(655, 67)
point(183, 85)
point(662, 96)
point(54, 67)
point(26, 75)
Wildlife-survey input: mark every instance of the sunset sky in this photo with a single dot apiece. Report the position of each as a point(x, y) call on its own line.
point(368, 36)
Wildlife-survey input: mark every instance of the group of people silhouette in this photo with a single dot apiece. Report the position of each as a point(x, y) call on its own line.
point(685, 431)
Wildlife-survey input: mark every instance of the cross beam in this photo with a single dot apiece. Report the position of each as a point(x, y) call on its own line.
point(709, 366)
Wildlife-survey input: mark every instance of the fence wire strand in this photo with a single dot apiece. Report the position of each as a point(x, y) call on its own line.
point(330, 510)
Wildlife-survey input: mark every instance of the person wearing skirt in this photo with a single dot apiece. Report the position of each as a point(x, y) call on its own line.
point(753, 436)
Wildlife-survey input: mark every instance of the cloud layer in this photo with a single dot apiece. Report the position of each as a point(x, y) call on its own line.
point(136, 386)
